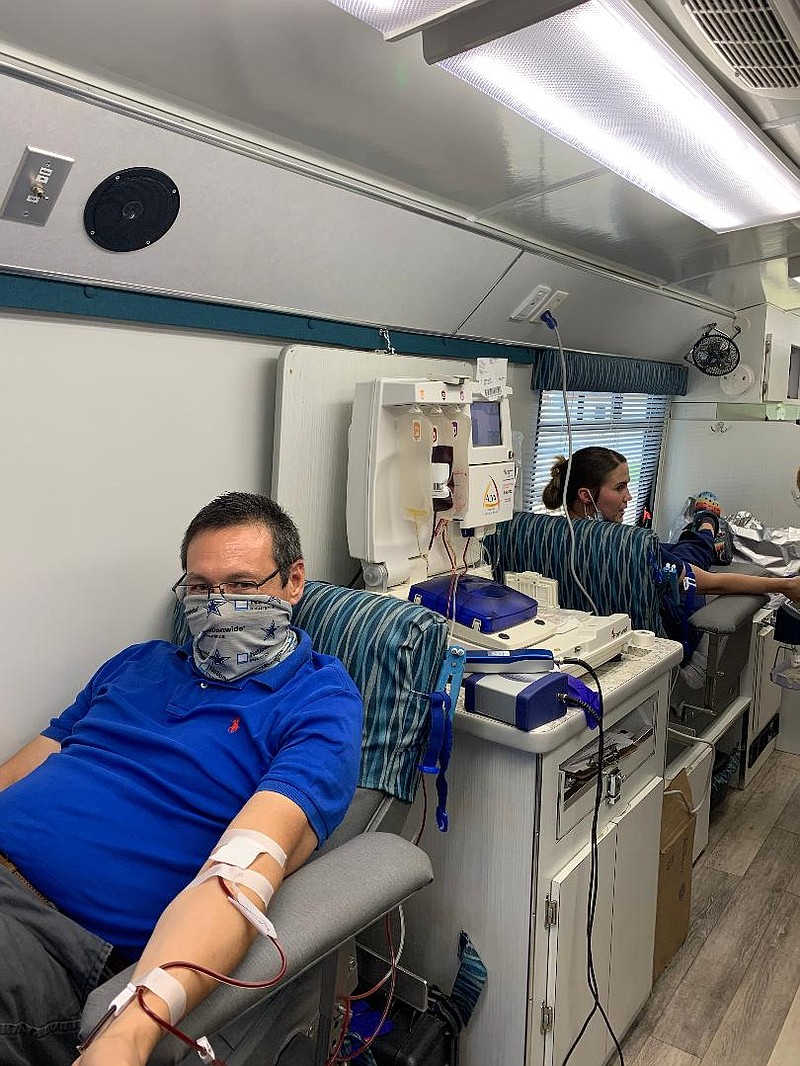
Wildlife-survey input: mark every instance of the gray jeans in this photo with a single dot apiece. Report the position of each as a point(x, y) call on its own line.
point(48, 966)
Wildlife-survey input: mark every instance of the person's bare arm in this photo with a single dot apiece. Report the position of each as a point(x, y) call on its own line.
point(721, 583)
point(200, 925)
point(26, 760)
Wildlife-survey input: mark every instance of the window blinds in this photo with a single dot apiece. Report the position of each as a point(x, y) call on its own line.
point(629, 423)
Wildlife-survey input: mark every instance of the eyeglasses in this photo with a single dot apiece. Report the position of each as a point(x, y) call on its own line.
point(182, 588)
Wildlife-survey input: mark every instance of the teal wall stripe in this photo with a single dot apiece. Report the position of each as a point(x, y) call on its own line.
point(20, 292)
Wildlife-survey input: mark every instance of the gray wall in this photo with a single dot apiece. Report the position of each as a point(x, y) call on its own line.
point(111, 439)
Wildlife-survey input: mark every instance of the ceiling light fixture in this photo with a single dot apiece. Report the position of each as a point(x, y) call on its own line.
point(601, 77)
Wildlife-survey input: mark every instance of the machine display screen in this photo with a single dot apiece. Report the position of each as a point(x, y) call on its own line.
point(486, 430)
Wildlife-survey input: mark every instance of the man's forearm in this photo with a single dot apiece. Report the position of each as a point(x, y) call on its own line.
point(200, 925)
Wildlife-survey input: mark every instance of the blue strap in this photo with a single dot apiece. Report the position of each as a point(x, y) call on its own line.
point(440, 712)
point(440, 739)
point(442, 819)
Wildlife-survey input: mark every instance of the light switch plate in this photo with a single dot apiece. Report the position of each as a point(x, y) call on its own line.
point(39, 179)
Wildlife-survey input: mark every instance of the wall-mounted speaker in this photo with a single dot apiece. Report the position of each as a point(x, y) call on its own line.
point(131, 209)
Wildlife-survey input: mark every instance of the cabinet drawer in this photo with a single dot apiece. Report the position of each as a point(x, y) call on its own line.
point(630, 744)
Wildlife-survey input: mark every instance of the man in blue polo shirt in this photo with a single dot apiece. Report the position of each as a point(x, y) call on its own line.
point(107, 816)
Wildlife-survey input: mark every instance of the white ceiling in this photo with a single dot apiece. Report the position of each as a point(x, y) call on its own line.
point(305, 77)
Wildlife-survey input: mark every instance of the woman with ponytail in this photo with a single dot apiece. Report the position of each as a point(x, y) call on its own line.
point(596, 487)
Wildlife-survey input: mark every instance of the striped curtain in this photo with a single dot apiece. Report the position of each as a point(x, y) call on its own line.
point(587, 372)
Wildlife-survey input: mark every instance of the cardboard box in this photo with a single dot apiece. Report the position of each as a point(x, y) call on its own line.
point(674, 872)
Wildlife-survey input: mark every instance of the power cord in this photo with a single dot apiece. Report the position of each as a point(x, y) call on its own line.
point(594, 876)
point(551, 323)
point(707, 790)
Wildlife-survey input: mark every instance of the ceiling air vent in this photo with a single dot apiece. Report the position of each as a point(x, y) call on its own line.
point(752, 38)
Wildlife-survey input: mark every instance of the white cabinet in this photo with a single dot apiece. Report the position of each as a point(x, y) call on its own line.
point(519, 843)
point(624, 926)
point(765, 696)
point(770, 348)
point(568, 997)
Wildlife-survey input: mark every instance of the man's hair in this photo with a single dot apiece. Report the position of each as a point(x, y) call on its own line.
point(590, 467)
point(249, 508)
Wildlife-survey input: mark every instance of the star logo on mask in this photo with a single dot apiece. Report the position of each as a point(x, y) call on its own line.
point(215, 659)
point(213, 607)
point(269, 631)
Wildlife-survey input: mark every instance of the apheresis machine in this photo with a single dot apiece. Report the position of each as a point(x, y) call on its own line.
point(431, 473)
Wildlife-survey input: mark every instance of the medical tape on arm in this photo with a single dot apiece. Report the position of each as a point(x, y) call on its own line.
point(241, 847)
point(237, 850)
point(169, 989)
point(158, 981)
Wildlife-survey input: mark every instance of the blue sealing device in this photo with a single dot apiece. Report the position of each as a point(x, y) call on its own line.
point(522, 661)
point(440, 739)
point(520, 688)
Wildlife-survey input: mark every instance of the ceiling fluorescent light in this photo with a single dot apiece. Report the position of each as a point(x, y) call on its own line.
point(398, 18)
point(601, 78)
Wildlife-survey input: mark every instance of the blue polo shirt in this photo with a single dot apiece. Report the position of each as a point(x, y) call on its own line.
point(155, 761)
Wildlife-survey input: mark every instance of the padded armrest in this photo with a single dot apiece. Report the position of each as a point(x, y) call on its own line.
point(725, 614)
point(317, 909)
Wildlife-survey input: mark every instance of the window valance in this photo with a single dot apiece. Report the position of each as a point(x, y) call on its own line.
point(588, 372)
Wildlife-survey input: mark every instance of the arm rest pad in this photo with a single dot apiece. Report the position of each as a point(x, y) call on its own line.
point(725, 614)
point(318, 908)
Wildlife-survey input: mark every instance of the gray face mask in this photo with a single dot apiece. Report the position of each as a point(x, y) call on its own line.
point(236, 636)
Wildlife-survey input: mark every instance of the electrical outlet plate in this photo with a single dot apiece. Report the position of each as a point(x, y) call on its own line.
point(36, 186)
point(558, 297)
point(532, 305)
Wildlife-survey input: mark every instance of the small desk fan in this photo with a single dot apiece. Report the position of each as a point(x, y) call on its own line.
point(715, 354)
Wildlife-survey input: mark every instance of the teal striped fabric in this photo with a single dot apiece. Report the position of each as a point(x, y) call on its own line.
point(393, 651)
point(616, 563)
point(587, 372)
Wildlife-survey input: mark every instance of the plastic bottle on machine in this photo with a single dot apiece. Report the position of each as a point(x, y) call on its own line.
point(415, 441)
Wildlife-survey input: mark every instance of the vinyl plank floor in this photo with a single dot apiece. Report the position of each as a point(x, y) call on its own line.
point(789, 820)
point(731, 995)
point(758, 1010)
point(787, 1047)
point(726, 816)
point(699, 1005)
point(739, 845)
point(711, 891)
point(656, 1053)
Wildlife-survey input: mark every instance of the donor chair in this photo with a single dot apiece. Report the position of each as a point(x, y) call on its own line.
point(620, 567)
point(393, 651)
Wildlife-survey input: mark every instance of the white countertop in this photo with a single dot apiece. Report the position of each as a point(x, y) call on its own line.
point(619, 679)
